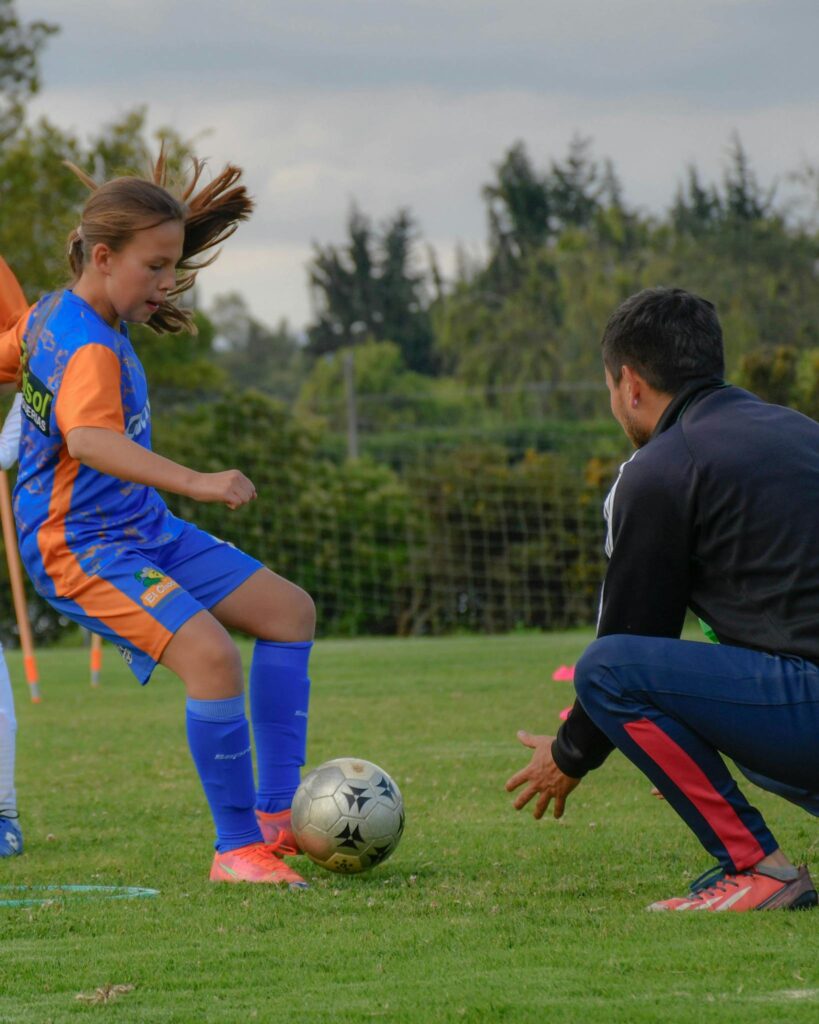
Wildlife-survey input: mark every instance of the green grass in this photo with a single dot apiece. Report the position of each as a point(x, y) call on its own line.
point(482, 914)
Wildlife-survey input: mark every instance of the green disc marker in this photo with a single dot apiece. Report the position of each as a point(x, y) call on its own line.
point(35, 895)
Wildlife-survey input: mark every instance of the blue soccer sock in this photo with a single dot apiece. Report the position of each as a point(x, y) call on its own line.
point(219, 741)
point(279, 698)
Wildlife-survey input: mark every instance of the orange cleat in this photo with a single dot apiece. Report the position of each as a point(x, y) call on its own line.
point(254, 863)
point(277, 832)
point(755, 889)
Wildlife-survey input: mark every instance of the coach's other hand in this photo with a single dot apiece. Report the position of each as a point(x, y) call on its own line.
point(543, 776)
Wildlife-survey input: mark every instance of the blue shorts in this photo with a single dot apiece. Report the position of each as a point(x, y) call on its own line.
point(142, 597)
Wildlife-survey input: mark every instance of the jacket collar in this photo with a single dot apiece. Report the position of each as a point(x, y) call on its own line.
point(690, 393)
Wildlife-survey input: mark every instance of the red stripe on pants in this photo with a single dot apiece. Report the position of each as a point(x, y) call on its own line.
point(686, 774)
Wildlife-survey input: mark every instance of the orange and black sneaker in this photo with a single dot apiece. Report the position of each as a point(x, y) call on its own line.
point(758, 888)
point(277, 832)
point(254, 863)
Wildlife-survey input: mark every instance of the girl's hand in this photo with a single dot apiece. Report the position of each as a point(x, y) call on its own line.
point(230, 487)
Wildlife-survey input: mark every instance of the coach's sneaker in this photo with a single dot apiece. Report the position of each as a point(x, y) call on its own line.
point(277, 832)
point(766, 888)
point(11, 838)
point(254, 863)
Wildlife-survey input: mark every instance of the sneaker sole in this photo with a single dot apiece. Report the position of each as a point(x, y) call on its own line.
point(258, 881)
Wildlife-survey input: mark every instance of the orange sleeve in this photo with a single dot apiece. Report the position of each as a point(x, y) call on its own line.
point(11, 347)
point(14, 312)
point(12, 301)
point(89, 393)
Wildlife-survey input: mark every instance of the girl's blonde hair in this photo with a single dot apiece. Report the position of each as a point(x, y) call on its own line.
point(119, 208)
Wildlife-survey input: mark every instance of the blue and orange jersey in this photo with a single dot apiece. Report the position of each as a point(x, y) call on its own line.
point(77, 371)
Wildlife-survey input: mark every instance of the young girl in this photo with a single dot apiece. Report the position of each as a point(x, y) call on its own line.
point(102, 547)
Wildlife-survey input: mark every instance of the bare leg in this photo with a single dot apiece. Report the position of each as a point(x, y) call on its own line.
point(205, 658)
point(269, 607)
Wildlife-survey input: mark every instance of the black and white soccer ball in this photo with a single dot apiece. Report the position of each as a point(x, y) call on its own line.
point(348, 815)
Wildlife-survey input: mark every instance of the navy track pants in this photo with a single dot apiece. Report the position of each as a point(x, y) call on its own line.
point(673, 706)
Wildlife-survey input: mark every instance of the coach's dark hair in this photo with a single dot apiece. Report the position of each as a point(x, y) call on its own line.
point(669, 336)
point(119, 208)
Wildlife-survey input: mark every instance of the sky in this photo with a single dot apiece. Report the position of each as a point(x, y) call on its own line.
point(412, 103)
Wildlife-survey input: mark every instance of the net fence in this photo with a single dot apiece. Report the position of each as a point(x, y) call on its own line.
point(486, 525)
point(491, 523)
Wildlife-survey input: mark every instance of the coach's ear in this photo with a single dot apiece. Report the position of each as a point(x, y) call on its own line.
point(634, 384)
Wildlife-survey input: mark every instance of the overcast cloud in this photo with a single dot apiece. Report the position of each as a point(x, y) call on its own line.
point(411, 102)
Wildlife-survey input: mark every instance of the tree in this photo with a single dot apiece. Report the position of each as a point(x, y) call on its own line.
point(563, 249)
point(745, 200)
point(179, 362)
point(697, 208)
point(388, 395)
point(527, 209)
point(575, 187)
point(41, 202)
point(253, 355)
point(807, 177)
point(20, 48)
point(741, 203)
point(370, 287)
point(41, 198)
point(518, 209)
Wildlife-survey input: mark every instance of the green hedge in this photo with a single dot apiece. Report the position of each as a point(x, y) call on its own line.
point(444, 533)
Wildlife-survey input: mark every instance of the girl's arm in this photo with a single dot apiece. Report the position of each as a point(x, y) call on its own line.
point(113, 453)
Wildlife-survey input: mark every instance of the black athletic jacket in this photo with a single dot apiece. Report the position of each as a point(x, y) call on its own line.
point(718, 512)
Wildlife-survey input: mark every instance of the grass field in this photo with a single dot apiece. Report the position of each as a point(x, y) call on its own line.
point(482, 914)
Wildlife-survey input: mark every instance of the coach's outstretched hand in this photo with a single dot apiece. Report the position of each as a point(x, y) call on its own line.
point(543, 776)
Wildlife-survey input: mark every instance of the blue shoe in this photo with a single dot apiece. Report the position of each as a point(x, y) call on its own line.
point(11, 838)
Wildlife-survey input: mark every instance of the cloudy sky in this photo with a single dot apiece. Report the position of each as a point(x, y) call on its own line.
point(394, 103)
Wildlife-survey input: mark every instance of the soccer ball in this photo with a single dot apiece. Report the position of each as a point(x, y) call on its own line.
point(347, 815)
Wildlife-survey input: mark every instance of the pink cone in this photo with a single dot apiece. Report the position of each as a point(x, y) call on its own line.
point(563, 674)
point(564, 714)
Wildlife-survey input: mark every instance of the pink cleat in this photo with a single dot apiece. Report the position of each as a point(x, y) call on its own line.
point(277, 832)
point(254, 863)
point(755, 889)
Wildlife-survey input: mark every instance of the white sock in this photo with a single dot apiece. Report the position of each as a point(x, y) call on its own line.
point(8, 731)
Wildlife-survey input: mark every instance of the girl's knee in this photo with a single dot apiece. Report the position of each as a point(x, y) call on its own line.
point(222, 655)
point(206, 659)
point(217, 672)
point(296, 622)
point(306, 615)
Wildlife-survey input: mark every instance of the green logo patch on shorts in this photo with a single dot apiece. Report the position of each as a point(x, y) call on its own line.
point(157, 586)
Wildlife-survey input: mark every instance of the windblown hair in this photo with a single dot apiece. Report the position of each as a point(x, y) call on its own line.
point(119, 208)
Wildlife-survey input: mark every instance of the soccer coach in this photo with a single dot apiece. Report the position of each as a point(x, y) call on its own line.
point(716, 511)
